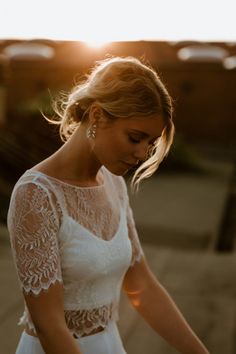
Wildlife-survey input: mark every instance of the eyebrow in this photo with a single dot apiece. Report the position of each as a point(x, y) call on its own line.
point(145, 135)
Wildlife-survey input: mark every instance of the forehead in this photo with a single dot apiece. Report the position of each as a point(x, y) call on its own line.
point(151, 126)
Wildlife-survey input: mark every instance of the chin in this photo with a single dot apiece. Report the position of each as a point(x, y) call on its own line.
point(121, 173)
point(118, 171)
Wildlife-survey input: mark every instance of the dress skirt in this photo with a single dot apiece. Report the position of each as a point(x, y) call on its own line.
point(106, 342)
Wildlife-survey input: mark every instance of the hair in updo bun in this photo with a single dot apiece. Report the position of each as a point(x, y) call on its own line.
point(124, 88)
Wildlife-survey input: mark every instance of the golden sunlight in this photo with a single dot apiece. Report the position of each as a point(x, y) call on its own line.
point(96, 43)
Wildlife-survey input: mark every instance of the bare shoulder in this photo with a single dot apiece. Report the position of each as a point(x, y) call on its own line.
point(45, 166)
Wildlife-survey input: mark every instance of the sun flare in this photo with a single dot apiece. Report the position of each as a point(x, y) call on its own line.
point(96, 43)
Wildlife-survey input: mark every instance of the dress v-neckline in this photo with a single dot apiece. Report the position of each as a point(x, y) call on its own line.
point(91, 234)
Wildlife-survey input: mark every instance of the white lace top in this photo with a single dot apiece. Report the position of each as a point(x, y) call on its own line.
point(84, 238)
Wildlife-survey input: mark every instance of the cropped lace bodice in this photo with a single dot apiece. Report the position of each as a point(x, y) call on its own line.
point(84, 238)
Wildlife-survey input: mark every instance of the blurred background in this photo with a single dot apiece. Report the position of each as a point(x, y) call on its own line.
point(186, 213)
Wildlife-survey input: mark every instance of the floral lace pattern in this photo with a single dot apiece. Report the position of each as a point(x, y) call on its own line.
point(34, 246)
point(81, 322)
point(85, 322)
point(37, 208)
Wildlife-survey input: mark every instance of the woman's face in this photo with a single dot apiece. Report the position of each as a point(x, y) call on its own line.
point(122, 143)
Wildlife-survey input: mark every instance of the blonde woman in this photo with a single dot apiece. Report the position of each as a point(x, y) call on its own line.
point(72, 231)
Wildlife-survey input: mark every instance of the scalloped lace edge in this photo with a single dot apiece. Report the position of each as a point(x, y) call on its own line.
point(101, 322)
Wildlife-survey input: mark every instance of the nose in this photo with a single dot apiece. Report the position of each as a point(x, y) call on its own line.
point(141, 152)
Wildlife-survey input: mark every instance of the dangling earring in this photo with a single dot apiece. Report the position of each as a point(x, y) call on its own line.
point(91, 131)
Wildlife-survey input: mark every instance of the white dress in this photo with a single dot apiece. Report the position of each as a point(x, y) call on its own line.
point(82, 237)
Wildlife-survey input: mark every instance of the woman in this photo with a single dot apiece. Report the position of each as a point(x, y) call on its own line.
point(72, 231)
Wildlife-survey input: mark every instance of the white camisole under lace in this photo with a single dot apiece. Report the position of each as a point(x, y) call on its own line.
point(82, 237)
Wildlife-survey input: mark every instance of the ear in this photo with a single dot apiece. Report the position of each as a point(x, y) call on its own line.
point(95, 114)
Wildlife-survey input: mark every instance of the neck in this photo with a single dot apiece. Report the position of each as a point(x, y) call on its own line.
point(76, 161)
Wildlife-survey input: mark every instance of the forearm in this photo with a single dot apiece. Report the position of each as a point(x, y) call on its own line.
point(58, 340)
point(160, 311)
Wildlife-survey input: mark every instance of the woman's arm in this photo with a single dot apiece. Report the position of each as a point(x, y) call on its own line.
point(47, 314)
point(155, 305)
point(33, 223)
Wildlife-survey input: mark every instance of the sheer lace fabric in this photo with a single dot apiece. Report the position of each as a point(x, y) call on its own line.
point(81, 322)
point(84, 238)
point(84, 322)
point(32, 224)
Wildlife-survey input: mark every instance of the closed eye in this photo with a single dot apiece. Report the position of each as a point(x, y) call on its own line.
point(134, 140)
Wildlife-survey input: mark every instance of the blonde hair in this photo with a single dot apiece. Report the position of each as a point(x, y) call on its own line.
point(123, 87)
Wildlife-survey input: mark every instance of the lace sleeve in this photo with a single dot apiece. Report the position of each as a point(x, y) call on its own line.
point(33, 223)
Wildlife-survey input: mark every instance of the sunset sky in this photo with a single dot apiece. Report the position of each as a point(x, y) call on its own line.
point(108, 20)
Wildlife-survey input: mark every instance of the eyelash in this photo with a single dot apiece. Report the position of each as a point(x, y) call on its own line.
point(136, 141)
point(133, 140)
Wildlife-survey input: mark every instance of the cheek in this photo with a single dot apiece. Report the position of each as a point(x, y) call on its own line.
point(111, 146)
point(105, 146)
point(120, 145)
